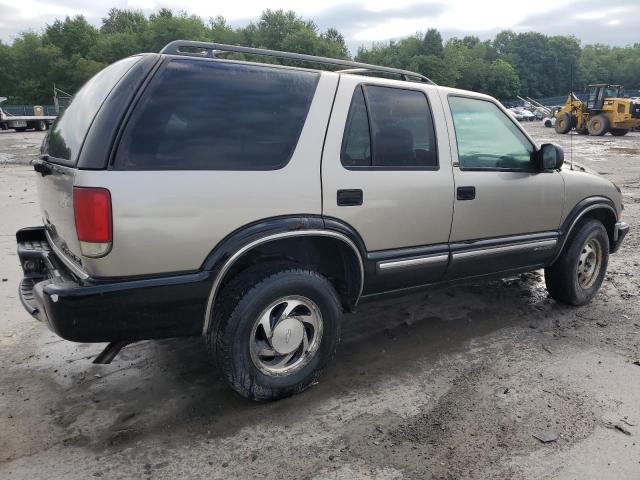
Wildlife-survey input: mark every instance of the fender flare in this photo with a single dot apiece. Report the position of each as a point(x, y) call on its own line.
point(241, 241)
point(579, 210)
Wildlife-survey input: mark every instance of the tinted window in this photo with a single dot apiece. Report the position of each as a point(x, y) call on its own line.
point(401, 127)
point(205, 115)
point(356, 150)
point(68, 132)
point(487, 138)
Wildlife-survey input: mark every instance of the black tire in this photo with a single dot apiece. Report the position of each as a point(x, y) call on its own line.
point(564, 123)
point(40, 126)
point(562, 278)
point(598, 125)
point(232, 332)
point(619, 132)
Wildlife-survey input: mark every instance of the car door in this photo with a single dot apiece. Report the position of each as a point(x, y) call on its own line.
point(386, 173)
point(506, 212)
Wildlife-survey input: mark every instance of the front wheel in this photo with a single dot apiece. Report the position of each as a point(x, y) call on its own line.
point(598, 125)
point(564, 123)
point(577, 275)
point(274, 332)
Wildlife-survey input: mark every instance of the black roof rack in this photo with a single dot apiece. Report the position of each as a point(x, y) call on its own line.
point(206, 49)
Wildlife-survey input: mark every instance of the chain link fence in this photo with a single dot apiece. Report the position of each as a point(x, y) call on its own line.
point(27, 110)
point(561, 99)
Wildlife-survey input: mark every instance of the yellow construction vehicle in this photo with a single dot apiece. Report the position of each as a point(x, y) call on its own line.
point(606, 110)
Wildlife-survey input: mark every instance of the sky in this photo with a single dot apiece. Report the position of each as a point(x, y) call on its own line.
point(362, 22)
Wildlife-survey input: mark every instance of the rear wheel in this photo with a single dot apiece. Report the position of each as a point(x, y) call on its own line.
point(40, 126)
point(564, 123)
point(619, 132)
point(598, 125)
point(577, 275)
point(275, 331)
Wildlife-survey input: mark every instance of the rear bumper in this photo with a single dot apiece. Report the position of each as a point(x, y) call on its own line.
point(619, 232)
point(105, 311)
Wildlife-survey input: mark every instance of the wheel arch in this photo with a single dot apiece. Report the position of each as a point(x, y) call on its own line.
point(335, 253)
point(598, 208)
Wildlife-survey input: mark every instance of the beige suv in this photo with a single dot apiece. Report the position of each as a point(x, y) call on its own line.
point(184, 193)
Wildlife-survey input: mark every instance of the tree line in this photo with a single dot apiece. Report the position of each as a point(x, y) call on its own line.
point(68, 52)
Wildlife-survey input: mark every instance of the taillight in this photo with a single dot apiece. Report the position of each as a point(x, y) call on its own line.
point(92, 209)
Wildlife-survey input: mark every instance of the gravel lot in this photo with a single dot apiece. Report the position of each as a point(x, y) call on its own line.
point(446, 385)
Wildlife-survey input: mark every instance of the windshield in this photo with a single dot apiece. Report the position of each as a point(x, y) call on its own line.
point(65, 139)
point(613, 92)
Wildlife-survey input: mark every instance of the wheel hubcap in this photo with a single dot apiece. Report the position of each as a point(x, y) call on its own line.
point(286, 335)
point(589, 263)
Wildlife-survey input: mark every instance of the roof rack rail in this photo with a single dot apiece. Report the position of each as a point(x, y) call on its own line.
point(207, 49)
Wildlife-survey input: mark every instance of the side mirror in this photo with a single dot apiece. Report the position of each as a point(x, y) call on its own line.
point(549, 157)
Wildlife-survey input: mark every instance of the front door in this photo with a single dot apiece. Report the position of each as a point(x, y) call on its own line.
point(386, 172)
point(506, 213)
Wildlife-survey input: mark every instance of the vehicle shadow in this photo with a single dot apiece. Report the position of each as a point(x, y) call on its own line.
point(171, 386)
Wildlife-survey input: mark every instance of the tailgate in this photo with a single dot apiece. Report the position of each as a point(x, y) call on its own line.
point(55, 195)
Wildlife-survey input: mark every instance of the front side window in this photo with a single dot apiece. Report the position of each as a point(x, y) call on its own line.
point(389, 128)
point(213, 115)
point(487, 138)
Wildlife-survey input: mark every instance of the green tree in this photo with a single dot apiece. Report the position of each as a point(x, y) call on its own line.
point(124, 21)
point(70, 50)
point(165, 26)
point(502, 80)
point(72, 36)
point(222, 32)
point(432, 43)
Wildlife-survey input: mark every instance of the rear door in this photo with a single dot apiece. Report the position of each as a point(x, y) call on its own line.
point(386, 172)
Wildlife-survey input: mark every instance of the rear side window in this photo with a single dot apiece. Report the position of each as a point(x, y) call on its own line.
point(356, 149)
point(389, 128)
point(68, 132)
point(213, 115)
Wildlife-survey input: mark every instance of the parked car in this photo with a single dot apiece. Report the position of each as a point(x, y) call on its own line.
point(515, 113)
point(253, 204)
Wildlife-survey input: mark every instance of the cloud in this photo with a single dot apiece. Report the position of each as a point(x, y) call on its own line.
point(590, 21)
point(34, 15)
point(352, 18)
point(364, 21)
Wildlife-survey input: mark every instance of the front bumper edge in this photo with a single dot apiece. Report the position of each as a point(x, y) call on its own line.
point(620, 230)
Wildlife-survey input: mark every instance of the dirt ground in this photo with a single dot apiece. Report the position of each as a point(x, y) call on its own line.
point(442, 385)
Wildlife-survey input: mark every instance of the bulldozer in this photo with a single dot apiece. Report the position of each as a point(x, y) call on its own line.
point(606, 110)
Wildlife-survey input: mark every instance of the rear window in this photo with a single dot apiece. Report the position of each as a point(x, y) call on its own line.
point(68, 132)
point(214, 115)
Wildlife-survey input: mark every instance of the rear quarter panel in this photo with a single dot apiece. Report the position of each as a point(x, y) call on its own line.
point(169, 221)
